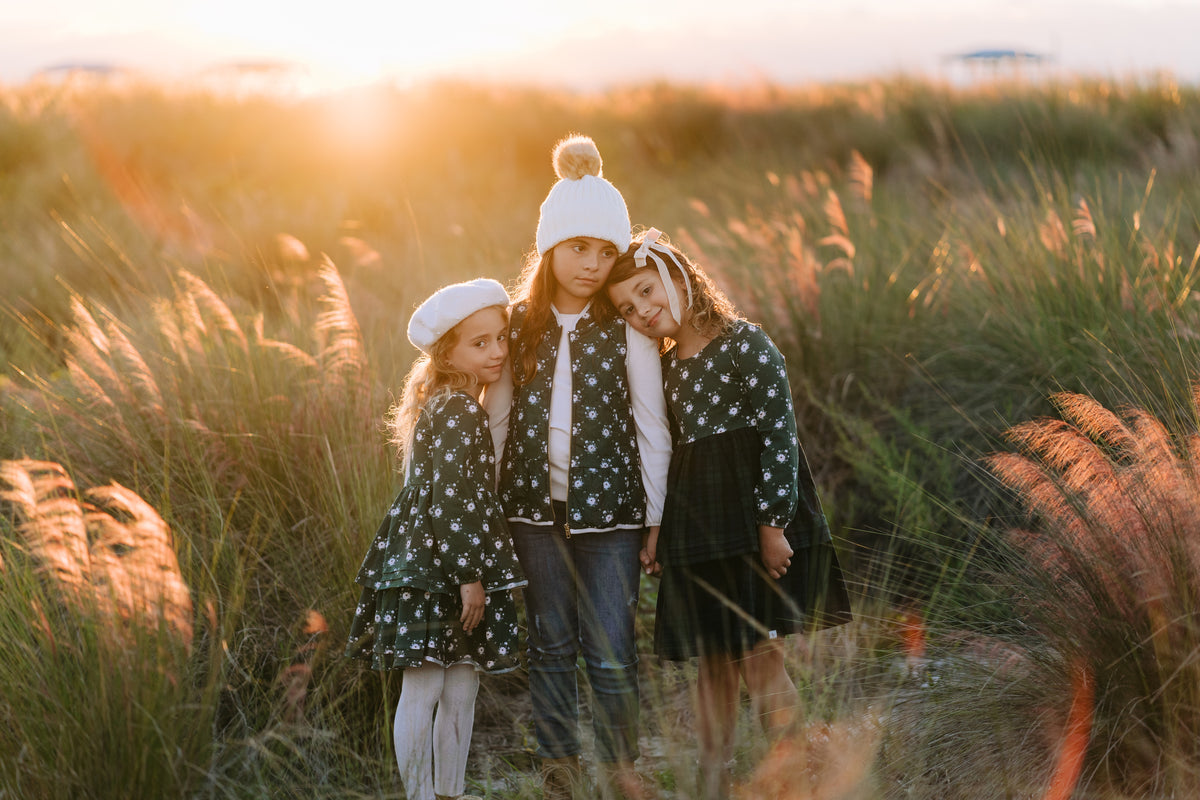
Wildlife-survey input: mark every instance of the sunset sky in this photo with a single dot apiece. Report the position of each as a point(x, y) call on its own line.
point(593, 45)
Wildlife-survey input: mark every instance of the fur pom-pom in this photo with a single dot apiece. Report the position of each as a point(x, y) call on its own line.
point(576, 156)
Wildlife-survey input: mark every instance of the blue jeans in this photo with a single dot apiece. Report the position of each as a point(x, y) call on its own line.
point(582, 597)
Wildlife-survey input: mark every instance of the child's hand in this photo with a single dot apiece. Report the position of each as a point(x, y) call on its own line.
point(649, 554)
point(472, 601)
point(775, 551)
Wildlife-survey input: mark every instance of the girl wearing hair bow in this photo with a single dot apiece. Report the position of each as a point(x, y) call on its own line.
point(744, 549)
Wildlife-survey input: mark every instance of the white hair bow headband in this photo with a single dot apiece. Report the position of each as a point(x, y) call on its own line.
point(650, 248)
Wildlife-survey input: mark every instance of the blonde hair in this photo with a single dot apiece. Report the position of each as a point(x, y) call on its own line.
point(431, 379)
point(711, 312)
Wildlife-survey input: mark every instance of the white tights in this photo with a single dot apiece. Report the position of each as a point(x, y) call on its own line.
point(444, 739)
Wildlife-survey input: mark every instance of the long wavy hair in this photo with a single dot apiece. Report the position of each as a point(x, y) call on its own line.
point(536, 287)
point(430, 379)
point(711, 312)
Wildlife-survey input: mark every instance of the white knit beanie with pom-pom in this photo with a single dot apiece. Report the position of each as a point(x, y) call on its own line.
point(582, 203)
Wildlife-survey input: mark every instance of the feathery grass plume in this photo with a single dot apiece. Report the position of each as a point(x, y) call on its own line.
point(133, 558)
point(42, 500)
point(1053, 234)
point(834, 213)
point(286, 351)
point(109, 552)
point(91, 392)
point(129, 362)
point(803, 274)
point(1083, 225)
point(91, 349)
point(1112, 581)
point(342, 356)
point(861, 176)
point(209, 306)
point(191, 326)
point(176, 351)
point(86, 331)
point(844, 244)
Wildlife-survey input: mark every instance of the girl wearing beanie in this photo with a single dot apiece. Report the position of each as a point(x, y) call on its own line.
point(436, 600)
point(582, 476)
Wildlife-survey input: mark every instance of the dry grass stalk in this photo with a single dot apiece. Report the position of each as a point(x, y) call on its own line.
point(862, 177)
point(1053, 234)
point(1113, 577)
point(210, 306)
point(42, 499)
point(296, 678)
point(286, 351)
point(835, 214)
point(109, 551)
point(133, 557)
point(343, 357)
point(1083, 225)
point(91, 350)
point(821, 761)
point(129, 362)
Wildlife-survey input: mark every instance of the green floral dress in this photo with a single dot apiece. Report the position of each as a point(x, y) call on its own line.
point(445, 529)
point(737, 464)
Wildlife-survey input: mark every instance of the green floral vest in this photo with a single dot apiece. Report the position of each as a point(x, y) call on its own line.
point(604, 480)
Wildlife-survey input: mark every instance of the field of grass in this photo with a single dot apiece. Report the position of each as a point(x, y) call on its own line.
point(987, 297)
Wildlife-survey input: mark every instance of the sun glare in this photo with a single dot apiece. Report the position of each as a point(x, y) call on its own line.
point(357, 121)
point(364, 41)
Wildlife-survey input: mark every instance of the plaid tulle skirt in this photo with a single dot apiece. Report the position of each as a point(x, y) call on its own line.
point(715, 597)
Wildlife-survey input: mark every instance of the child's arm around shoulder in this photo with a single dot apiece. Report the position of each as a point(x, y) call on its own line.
point(644, 371)
point(497, 402)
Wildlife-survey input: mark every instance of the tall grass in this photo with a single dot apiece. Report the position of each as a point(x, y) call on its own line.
point(205, 300)
point(98, 629)
point(1108, 573)
point(266, 458)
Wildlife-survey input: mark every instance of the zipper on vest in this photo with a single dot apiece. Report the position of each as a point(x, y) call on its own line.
point(570, 441)
point(567, 499)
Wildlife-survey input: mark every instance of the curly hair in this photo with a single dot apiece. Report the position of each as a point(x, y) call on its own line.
point(711, 312)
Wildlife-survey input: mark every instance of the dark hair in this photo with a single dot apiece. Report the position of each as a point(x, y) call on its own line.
point(536, 287)
point(712, 312)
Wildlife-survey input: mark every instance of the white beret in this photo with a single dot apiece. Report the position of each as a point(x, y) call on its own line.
point(449, 306)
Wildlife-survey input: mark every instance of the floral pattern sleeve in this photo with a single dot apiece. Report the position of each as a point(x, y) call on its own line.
point(461, 491)
point(764, 378)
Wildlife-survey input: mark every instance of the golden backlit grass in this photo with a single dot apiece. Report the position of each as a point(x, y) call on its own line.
point(205, 304)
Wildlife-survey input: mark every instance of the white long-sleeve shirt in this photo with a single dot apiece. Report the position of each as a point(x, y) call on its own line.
point(644, 372)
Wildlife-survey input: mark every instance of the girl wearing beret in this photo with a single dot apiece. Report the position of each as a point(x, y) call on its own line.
point(744, 548)
point(436, 598)
point(582, 476)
